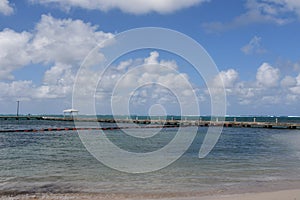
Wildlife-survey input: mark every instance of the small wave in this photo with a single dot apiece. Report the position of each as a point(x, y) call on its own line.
point(19, 188)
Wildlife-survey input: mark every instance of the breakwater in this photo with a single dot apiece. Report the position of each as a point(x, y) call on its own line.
point(213, 121)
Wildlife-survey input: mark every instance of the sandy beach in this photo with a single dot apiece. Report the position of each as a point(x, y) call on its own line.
point(276, 195)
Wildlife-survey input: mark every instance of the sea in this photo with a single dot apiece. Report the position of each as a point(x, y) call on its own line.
point(57, 162)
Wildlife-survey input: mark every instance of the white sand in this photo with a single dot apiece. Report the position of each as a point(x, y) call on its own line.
point(278, 195)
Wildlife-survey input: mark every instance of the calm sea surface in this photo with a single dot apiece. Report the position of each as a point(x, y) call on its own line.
point(57, 162)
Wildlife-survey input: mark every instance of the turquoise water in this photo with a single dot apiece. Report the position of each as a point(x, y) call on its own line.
point(57, 162)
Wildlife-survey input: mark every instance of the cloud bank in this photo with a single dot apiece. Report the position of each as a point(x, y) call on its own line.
point(270, 87)
point(128, 6)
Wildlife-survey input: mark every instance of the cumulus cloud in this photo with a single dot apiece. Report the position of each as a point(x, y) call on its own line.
point(65, 40)
point(268, 88)
point(245, 92)
point(267, 76)
point(253, 47)
point(129, 6)
point(61, 44)
point(22, 90)
point(6, 8)
point(140, 83)
point(265, 89)
point(144, 82)
point(295, 89)
point(161, 82)
point(58, 81)
point(54, 40)
point(226, 78)
point(288, 81)
point(279, 12)
point(14, 51)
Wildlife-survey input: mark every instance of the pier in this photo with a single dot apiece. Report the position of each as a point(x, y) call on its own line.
point(21, 117)
point(167, 122)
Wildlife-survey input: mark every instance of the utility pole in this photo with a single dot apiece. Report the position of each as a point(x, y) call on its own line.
point(18, 105)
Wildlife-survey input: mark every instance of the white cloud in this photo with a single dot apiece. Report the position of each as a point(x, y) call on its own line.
point(279, 12)
point(253, 47)
point(291, 5)
point(60, 43)
point(14, 51)
point(6, 8)
point(291, 98)
point(296, 66)
point(295, 89)
point(128, 6)
point(226, 78)
point(262, 91)
point(267, 76)
point(21, 90)
point(58, 81)
point(54, 40)
point(153, 58)
point(270, 100)
point(245, 90)
point(65, 41)
point(288, 81)
point(267, 89)
point(146, 82)
point(225, 81)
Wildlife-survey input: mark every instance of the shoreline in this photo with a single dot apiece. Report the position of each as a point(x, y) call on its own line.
point(287, 194)
point(275, 195)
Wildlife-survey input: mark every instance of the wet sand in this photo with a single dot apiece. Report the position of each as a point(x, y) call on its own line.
point(276, 195)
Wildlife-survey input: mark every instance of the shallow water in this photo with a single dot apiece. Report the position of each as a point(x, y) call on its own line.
point(57, 162)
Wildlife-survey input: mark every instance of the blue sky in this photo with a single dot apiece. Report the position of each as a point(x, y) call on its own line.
point(254, 43)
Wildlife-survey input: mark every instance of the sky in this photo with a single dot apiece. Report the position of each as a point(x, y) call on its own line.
point(254, 44)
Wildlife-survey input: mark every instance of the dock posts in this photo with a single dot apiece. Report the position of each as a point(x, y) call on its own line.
point(18, 106)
